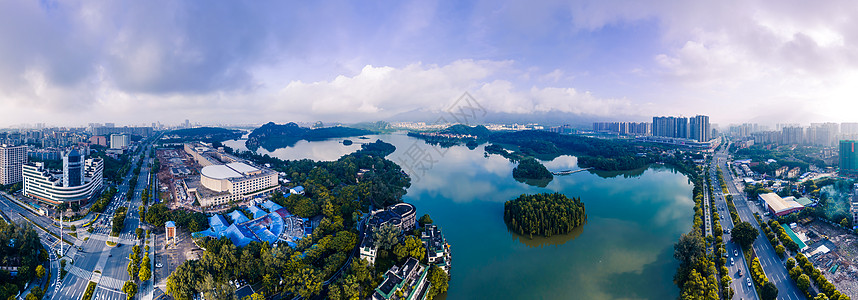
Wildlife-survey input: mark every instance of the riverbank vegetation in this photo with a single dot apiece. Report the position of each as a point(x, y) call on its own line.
point(544, 214)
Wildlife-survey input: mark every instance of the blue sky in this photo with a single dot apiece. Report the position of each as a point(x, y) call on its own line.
point(75, 62)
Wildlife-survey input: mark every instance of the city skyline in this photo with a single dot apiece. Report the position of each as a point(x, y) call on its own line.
point(767, 62)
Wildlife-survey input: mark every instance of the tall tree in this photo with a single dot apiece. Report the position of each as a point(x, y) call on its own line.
point(769, 291)
point(745, 234)
point(386, 236)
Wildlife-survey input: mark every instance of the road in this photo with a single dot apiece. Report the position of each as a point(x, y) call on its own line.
point(735, 260)
point(98, 262)
point(772, 265)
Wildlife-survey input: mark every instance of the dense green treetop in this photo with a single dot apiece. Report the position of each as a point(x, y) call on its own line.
point(19, 247)
point(530, 168)
point(205, 133)
point(744, 233)
point(544, 214)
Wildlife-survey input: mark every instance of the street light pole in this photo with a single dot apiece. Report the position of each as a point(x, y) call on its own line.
point(61, 234)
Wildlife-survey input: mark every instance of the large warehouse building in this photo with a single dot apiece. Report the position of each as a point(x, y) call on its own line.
point(780, 206)
point(79, 180)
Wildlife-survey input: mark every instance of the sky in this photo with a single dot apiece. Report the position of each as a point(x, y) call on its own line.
point(74, 62)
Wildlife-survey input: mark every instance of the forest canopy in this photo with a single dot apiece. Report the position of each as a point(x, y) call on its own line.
point(530, 168)
point(544, 214)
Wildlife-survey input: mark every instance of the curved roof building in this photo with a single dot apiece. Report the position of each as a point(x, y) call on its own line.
point(51, 186)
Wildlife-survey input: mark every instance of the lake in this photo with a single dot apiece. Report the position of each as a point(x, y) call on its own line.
point(625, 251)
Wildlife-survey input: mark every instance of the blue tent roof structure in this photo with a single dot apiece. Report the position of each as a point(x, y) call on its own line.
point(271, 206)
point(257, 212)
point(239, 235)
point(218, 223)
point(265, 227)
point(238, 217)
point(170, 224)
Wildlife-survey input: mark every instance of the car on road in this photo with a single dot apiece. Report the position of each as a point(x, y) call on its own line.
point(731, 261)
point(748, 280)
point(740, 272)
point(158, 265)
point(735, 252)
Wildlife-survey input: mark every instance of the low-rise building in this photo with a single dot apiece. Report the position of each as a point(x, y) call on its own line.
point(794, 172)
point(408, 282)
point(780, 206)
point(437, 249)
point(402, 215)
point(780, 171)
point(368, 249)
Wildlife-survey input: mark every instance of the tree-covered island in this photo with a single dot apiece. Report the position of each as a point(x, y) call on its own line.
point(530, 168)
point(544, 214)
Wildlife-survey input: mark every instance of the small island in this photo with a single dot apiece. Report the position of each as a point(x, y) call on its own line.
point(543, 214)
point(531, 169)
point(347, 142)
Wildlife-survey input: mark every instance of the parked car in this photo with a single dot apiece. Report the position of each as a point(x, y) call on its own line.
point(740, 272)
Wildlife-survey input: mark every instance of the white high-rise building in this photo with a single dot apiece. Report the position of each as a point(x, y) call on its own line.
point(119, 141)
point(11, 160)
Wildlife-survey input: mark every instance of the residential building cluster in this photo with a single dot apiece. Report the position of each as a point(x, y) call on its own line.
point(817, 134)
point(627, 128)
point(696, 128)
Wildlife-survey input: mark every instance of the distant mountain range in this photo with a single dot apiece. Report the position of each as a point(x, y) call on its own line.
point(549, 118)
point(271, 136)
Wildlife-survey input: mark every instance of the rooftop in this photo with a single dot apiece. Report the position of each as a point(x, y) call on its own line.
point(779, 204)
point(242, 167)
point(220, 172)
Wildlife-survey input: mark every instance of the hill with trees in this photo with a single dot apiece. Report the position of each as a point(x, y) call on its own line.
point(205, 134)
point(272, 136)
point(544, 214)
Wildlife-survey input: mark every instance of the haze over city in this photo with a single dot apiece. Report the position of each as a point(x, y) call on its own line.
point(68, 63)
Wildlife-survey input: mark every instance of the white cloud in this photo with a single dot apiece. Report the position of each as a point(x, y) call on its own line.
point(386, 91)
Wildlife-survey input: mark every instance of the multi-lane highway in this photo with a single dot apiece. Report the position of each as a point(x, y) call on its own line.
point(736, 263)
point(98, 262)
point(772, 265)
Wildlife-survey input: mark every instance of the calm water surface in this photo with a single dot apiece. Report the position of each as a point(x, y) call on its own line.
point(623, 252)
